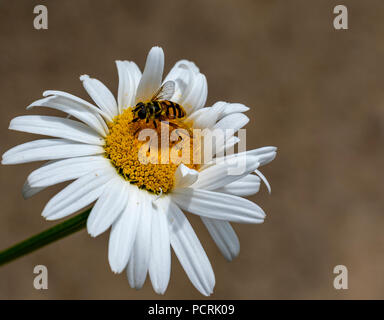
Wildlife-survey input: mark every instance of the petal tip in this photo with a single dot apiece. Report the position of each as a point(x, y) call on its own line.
point(84, 77)
point(47, 217)
point(116, 270)
point(156, 48)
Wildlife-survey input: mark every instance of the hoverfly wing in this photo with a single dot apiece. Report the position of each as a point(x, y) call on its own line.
point(165, 92)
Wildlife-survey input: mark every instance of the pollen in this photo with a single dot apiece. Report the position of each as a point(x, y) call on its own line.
point(149, 158)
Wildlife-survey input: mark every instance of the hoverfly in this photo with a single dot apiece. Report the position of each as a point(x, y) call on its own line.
point(159, 107)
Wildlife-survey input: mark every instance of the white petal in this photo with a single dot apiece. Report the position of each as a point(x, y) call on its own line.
point(150, 81)
point(244, 187)
point(227, 146)
point(264, 180)
point(101, 95)
point(182, 70)
point(28, 146)
point(75, 109)
point(185, 176)
point(78, 194)
point(226, 172)
point(183, 74)
point(230, 108)
point(160, 261)
point(129, 77)
point(215, 142)
point(267, 158)
point(218, 205)
point(197, 97)
point(29, 191)
point(108, 207)
point(139, 260)
point(123, 233)
point(65, 170)
point(264, 155)
point(189, 251)
point(204, 118)
point(191, 86)
point(262, 150)
point(233, 121)
point(207, 117)
point(73, 99)
point(224, 236)
point(56, 127)
point(135, 71)
point(48, 149)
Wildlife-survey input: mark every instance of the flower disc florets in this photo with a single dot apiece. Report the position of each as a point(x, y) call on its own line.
point(149, 160)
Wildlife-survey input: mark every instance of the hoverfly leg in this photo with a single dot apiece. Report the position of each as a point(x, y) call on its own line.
point(173, 125)
point(155, 124)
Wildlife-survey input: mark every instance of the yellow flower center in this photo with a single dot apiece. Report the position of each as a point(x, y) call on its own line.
point(149, 158)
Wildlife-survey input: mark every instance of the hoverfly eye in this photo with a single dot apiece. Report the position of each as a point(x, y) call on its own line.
point(141, 114)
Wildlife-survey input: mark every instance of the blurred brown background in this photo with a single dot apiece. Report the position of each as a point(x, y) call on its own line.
point(315, 92)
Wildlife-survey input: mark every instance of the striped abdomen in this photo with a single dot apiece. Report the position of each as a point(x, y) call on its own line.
point(172, 110)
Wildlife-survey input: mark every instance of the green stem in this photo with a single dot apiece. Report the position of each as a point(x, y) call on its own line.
point(41, 239)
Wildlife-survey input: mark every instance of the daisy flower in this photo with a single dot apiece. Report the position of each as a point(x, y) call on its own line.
point(97, 146)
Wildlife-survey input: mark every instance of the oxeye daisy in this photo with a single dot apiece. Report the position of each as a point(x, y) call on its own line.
point(99, 146)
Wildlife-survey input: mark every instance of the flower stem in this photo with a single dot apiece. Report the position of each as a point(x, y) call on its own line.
point(41, 239)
